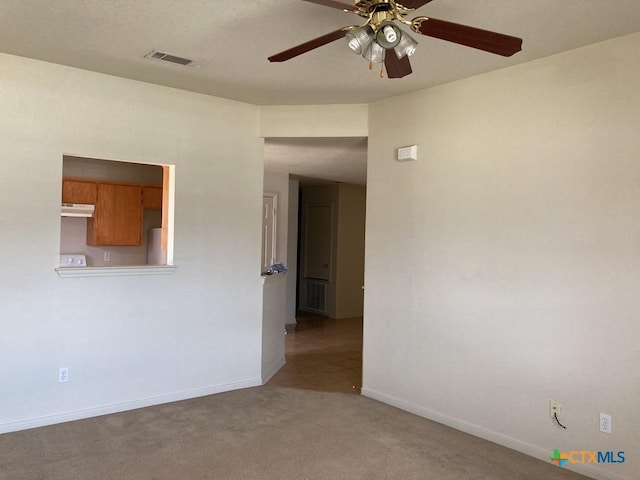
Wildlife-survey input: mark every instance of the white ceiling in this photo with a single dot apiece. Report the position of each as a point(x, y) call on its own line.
point(236, 37)
point(112, 36)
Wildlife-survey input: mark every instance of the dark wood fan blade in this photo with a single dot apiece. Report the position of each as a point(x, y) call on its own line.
point(308, 46)
point(413, 3)
point(396, 67)
point(334, 4)
point(492, 42)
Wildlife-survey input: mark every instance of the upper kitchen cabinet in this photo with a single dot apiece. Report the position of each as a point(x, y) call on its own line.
point(118, 216)
point(79, 191)
point(152, 198)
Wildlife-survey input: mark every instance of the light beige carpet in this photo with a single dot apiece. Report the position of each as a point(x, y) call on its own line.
point(263, 433)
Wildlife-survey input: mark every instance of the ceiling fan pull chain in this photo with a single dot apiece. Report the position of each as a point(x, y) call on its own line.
point(370, 65)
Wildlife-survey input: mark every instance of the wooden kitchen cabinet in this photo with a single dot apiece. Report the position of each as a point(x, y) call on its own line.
point(79, 191)
point(152, 198)
point(118, 216)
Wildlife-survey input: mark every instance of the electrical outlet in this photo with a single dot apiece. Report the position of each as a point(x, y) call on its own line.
point(107, 256)
point(605, 423)
point(555, 409)
point(63, 375)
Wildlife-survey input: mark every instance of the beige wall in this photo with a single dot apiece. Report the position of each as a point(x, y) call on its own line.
point(501, 267)
point(127, 341)
point(314, 120)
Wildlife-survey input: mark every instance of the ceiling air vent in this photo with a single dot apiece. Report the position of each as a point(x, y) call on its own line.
point(169, 57)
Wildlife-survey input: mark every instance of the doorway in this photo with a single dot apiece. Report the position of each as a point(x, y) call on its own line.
point(324, 347)
point(325, 258)
point(331, 249)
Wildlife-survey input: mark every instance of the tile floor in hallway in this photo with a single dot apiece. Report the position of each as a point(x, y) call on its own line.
point(322, 354)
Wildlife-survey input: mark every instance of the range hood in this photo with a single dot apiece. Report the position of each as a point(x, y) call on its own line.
point(77, 210)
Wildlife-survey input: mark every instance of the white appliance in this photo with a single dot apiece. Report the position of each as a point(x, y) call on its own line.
point(77, 210)
point(72, 261)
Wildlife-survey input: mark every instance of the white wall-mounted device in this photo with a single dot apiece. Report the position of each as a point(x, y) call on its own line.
point(406, 154)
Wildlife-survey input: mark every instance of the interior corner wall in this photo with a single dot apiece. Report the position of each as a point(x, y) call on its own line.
point(502, 265)
point(127, 341)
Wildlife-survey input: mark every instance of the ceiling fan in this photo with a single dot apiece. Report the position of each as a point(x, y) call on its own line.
point(380, 40)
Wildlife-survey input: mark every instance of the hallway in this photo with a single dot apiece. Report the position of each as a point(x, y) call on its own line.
point(322, 354)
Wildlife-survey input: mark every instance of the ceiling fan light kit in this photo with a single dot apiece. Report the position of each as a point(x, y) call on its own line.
point(381, 34)
point(406, 46)
point(359, 38)
point(388, 35)
point(374, 53)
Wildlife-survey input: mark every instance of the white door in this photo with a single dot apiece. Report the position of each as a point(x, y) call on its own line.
point(268, 231)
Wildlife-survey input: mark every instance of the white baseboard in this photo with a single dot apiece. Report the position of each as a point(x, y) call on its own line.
point(124, 406)
point(273, 369)
point(486, 434)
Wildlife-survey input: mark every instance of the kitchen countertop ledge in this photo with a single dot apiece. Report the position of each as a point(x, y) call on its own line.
point(132, 270)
